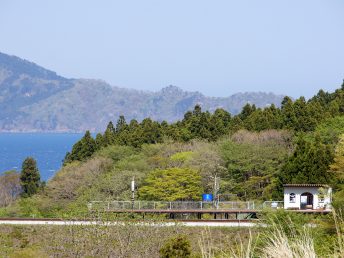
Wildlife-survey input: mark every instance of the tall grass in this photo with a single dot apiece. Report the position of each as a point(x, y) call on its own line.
point(339, 224)
point(282, 238)
point(297, 245)
point(206, 244)
point(241, 249)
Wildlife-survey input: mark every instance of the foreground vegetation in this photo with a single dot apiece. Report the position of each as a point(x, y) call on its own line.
point(288, 235)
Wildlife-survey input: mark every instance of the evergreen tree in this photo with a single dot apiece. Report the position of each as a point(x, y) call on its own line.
point(306, 115)
point(29, 177)
point(236, 124)
point(197, 110)
point(121, 125)
point(134, 134)
point(219, 123)
point(74, 154)
point(122, 131)
point(109, 134)
point(88, 146)
point(323, 98)
point(199, 124)
point(150, 131)
point(99, 141)
point(187, 116)
point(82, 149)
point(247, 110)
point(309, 163)
point(288, 114)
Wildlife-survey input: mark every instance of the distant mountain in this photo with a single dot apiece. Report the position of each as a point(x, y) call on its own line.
point(38, 100)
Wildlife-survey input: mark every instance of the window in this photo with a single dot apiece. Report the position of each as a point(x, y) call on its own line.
point(292, 197)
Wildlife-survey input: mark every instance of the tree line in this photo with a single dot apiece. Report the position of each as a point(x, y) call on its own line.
point(296, 115)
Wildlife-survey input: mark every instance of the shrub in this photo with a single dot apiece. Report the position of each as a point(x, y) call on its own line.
point(176, 247)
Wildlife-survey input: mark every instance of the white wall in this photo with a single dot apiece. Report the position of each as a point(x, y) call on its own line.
point(300, 190)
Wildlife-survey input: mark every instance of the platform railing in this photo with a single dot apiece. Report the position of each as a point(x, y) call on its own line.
point(177, 205)
point(273, 204)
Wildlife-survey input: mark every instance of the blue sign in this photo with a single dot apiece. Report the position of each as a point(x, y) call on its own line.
point(207, 197)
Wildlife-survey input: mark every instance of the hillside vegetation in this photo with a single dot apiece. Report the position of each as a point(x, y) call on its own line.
point(253, 153)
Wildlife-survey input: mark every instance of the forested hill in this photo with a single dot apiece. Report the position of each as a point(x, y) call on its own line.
point(299, 116)
point(35, 99)
point(254, 152)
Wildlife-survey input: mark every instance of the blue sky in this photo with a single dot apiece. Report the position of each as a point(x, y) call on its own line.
point(216, 47)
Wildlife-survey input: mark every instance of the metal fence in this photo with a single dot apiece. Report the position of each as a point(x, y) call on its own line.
point(273, 204)
point(159, 205)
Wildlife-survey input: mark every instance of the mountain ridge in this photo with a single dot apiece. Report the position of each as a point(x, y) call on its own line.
point(34, 99)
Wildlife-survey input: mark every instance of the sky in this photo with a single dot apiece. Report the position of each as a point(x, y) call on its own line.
point(216, 47)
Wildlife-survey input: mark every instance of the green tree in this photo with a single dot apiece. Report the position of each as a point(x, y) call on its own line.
point(109, 135)
point(219, 123)
point(252, 168)
point(309, 163)
point(247, 110)
point(331, 129)
point(99, 141)
point(176, 247)
point(198, 124)
point(121, 124)
point(337, 169)
point(151, 132)
point(82, 149)
point(236, 124)
point(172, 184)
point(88, 146)
point(288, 113)
point(307, 115)
point(29, 177)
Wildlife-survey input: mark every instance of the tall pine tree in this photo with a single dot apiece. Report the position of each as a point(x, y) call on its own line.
point(29, 177)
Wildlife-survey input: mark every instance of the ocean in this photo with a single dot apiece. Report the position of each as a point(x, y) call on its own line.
point(48, 149)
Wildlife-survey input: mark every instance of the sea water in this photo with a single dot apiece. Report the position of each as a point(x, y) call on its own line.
point(48, 149)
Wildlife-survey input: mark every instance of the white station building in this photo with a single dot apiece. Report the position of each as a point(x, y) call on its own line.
point(307, 197)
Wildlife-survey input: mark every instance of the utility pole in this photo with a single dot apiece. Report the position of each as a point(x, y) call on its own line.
point(216, 189)
point(132, 193)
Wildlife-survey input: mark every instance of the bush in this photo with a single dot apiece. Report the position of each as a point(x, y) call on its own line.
point(176, 247)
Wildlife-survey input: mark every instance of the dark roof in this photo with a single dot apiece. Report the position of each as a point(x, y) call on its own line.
point(305, 185)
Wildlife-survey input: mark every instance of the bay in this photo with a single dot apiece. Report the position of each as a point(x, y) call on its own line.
point(48, 149)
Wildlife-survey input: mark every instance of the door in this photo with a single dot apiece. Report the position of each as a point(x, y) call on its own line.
point(306, 201)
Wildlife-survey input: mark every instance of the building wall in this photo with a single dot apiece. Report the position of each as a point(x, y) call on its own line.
point(298, 191)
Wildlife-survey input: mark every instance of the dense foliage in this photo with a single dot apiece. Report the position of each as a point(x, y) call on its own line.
point(298, 116)
point(309, 163)
point(30, 178)
point(173, 184)
point(254, 161)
